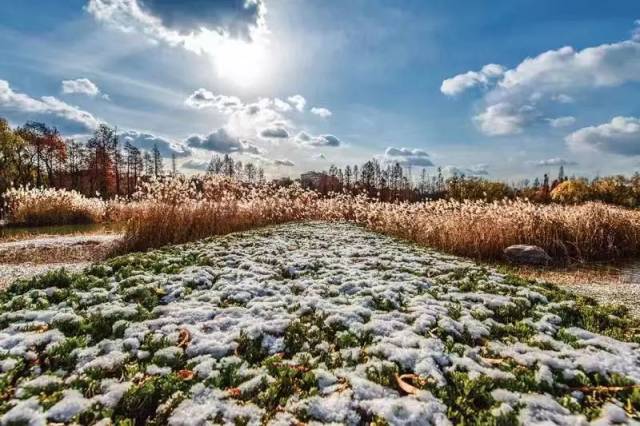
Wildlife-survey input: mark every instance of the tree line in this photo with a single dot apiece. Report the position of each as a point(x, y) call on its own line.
point(36, 154)
point(227, 166)
point(395, 182)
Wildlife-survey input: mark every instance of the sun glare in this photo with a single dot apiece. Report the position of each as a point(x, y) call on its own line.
point(241, 62)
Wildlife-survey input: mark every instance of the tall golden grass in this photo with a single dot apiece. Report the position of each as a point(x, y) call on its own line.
point(181, 210)
point(176, 212)
point(590, 231)
point(48, 206)
point(173, 212)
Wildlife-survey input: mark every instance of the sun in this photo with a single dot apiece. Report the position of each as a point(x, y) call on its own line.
point(242, 63)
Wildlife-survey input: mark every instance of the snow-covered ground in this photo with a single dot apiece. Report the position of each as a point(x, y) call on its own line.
point(10, 272)
point(309, 323)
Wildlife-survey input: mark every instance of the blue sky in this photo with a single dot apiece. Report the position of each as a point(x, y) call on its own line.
point(503, 89)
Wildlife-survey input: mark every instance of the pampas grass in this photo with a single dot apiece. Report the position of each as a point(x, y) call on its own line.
point(174, 212)
point(180, 210)
point(48, 206)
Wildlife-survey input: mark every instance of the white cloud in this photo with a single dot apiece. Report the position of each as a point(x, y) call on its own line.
point(82, 86)
point(281, 105)
point(461, 82)
point(202, 98)
point(405, 152)
point(620, 136)
point(407, 157)
point(563, 98)
point(559, 122)
point(275, 133)
point(504, 118)
point(233, 33)
point(245, 120)
point(298, 101)
point(221, 141)
point(303, 138)
point(552, 71)
point(321, 112)
point(477, 170)
point(265, 118)
point(253, 118)
point(180, 23)
point(147, 141)
point(520, 95)
point(284, 162)
point(553, 162)
point(195, 164)
point(46, 106)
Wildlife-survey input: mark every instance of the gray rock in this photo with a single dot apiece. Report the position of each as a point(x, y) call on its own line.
point(527, 255)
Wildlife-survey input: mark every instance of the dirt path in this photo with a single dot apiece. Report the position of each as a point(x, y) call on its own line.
point(34, 256)
point(57, 249)
point(608, 287)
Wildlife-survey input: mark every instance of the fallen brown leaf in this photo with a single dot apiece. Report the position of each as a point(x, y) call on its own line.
point(185, 374)
point(234, 392)
point(42, 328)
point(184, 338)
point(493, 361)
point(406, 387)
point(606, 389)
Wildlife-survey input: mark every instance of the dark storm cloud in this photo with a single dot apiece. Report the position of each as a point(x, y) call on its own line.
point(234, 17)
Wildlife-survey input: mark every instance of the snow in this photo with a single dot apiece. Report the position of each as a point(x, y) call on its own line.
point(68, 407)
point(109, 361)
point(112, 392)
point(27, 412)
point(335, 408)
point(612, 414)
point(45, 381)
point(400, 308)
point(421, 409)
point(154, 370)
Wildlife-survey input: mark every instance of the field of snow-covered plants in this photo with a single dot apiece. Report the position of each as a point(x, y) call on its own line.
point(309, 323)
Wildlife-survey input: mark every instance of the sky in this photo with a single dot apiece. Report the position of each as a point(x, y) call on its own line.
point(503, 89)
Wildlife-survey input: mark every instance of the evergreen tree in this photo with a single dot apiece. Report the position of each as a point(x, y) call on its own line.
point(228, 166)
point(158, 165)
point(250, 172)
point(347, 176)
point(148, 163)
point(103, 144)
point(536, 183)
point(174, 167)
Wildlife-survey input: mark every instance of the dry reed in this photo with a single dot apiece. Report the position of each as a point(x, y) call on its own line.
point(49, 206)
point(181, 210)
point(174, 212)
